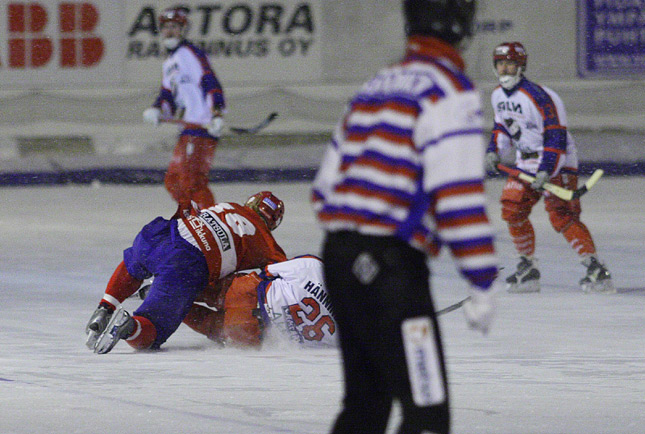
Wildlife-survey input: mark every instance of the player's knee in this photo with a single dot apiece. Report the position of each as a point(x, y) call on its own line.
point(205, 321)
point(561, 220)
point(513, 212)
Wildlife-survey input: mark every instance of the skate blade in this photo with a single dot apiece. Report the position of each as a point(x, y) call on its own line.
point(523, 288)
point(92, 337)
point(108, 339)
point(603, 287)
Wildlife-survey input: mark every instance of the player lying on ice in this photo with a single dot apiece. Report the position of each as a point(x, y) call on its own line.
point(286, 301)
point(183, 255)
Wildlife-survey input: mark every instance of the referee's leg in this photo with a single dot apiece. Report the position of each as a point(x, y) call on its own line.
point(390, 314)
point(368, 399)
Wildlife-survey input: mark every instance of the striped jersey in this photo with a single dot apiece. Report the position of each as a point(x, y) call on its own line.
point(406, 160)
point(189, 86)
point(543, 141)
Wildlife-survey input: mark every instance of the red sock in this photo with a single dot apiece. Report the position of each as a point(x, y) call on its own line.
point(523, 237)
point(121, 286)
point(579, 238)
point(144, 335)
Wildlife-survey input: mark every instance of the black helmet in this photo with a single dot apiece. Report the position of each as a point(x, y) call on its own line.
point(449, 20)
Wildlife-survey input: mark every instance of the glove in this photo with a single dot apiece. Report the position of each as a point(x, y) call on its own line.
point(492, 160)
point(151, 115)
point(480, 309)
point(540, 178)
point(214, 127)
point(513, 128)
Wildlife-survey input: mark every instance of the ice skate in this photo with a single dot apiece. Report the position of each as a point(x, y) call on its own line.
point(96, 325)
point(598, 278)
point(526, 278)
point(121, 326)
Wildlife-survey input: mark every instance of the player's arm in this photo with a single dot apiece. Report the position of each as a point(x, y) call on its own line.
point(163, 106)
point(329, 171)
point(554, 136)
point(450, 135)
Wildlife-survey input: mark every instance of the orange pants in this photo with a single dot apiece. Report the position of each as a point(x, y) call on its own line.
point(187, 176)
point(518, 200)
point(235, 323)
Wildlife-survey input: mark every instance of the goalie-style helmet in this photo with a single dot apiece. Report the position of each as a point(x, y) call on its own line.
point(448, 20)
point(175, 15)
point(269, 207)
point(511, 51)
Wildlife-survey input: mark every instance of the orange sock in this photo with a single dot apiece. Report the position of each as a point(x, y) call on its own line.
point(144, 335)
point(523, 237)
point(579, 238)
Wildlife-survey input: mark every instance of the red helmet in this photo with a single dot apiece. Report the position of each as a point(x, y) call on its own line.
point(511, 51)
point(269, 207)
point(174, 15)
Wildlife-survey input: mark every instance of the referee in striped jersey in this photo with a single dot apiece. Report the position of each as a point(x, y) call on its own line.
point(402, 177)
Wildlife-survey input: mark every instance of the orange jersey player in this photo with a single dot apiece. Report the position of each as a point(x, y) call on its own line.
point(183, 254)
point(287, 300)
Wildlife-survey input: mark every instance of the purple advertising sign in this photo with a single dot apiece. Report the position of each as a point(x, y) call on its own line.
point(611, 38)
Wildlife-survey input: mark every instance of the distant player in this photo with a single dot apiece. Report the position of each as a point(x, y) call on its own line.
point(183, 254)
point(189, 91)
point(532, 120)
point(287, 300)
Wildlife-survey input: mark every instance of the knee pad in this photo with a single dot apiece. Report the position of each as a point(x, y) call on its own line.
point(514, 212)
point(562, 214)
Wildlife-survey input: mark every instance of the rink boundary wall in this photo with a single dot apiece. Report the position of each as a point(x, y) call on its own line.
point(147, 176)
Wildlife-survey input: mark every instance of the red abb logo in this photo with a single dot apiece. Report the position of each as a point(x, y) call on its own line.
point(31, 47)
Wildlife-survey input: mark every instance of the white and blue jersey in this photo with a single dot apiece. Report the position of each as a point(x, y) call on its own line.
point(294, 302)
point(542, 141)
point(190, 86)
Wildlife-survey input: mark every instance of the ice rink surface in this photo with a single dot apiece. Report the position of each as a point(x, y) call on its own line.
point(557, 362)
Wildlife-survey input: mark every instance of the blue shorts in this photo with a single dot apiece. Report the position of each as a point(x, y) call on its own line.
point(180, 273)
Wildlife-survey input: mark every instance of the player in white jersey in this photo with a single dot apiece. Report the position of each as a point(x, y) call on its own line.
point(402, 177)
point(530, 121)
point(191, 92)
point(287, 300)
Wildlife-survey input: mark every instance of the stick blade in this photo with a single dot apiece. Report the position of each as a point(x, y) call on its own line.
point(595, 176)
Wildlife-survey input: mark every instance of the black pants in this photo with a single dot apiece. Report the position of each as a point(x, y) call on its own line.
point(375, 285)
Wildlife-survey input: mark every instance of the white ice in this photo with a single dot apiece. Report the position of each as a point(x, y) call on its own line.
point(555, 362)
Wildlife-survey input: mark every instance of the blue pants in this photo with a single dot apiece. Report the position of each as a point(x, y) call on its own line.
point(180, 273)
